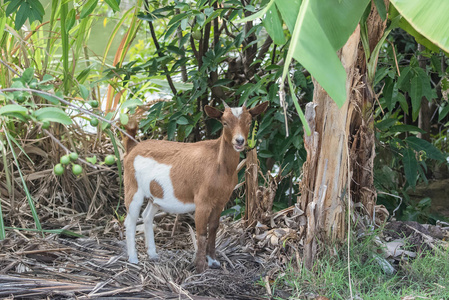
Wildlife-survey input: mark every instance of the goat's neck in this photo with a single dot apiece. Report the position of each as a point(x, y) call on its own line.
point(227, 156)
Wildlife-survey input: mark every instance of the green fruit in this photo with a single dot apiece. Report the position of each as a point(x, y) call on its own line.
point(109, 160)
point(65, 159)
point(94, 122)
point(93, 103)
point(21, 98)
point(196, 34)
point(77, 169)
point(58, 169)
point(73, 156)
point(45, 125)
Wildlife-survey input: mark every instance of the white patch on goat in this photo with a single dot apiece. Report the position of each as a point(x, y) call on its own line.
point(237, 111)
point(147, 170)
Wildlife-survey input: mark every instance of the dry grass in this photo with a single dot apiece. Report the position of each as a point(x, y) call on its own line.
point(34, 267)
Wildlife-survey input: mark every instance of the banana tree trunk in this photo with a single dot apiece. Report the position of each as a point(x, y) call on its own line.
point(340, 151)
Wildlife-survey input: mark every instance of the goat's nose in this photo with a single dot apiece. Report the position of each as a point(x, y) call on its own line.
point(240, 141)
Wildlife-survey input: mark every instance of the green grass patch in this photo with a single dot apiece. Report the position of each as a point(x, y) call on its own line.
point(427, 275)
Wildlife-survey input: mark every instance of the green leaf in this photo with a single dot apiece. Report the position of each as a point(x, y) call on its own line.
point(421, 145)
point(108, 116)
point(289, 12)
point(221, 82)
point(113, 4)
point(131, 103)
point(177, 18)
point(180, 86)
point(124, 119)
point(182, 121)
point(298, 108)
point(13, 6)
point(52, 99)
point(427, 17)
point(22, 14)
point(410, 166)
point(405, 128)
point(200, 18)
point(416, 96)
point(443, 112)
point(320, 30)
point(257, 15)
point(52, 114)
point(171, 130)
point(88, 8)
point(273, 25)
point(386, 124)
point(84, 92)
point(70, 21)
point(28, 75)
point(381, 9)
point(37, 8)
point(405, 77)
point(13, 108)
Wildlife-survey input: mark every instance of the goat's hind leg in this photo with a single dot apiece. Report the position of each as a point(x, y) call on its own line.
point(130, 225)
point(214, 221)
point(148, 217)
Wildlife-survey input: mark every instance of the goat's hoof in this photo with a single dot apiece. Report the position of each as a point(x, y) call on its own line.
point(213, 263)
point(133, 260)
point(153, 257)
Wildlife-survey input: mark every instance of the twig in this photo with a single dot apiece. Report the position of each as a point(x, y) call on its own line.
point(397, 207)
point(267, 286)
point(71, 105)
point(284, 105)
point(156, 44)
point(395, 58)
point(11, 69)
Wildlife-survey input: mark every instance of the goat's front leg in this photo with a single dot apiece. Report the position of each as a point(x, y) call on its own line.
point(130, 224)
point(214, 222)
point(201, 219)
point(148, 217)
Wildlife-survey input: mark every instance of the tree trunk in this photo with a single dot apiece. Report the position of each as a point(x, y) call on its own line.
point(340, 151)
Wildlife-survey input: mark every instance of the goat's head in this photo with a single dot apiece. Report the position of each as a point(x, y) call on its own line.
point(236, 122)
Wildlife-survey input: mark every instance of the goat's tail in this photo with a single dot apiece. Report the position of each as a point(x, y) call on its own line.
point(131, 129)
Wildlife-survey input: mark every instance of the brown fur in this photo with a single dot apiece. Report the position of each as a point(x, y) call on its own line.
point(203, 173)
point(156, 190)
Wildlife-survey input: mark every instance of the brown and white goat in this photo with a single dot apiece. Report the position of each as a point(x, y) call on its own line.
point(184, 177)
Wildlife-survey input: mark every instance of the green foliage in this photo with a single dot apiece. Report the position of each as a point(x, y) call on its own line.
point(404, 159)
point(424, 276)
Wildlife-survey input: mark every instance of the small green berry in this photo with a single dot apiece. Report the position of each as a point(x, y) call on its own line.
point(109, 160)
point(77, 169)
point(73, 156)
point(58, 169)
point(65, 159)
point(93, 122)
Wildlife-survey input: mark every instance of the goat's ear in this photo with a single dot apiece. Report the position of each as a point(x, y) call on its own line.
point(213, 112)
point(255, 111)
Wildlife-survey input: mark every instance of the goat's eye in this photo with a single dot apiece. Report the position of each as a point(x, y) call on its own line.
point(225, 124)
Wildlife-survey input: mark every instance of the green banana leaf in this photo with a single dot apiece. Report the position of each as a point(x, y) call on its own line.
point(428, 17)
